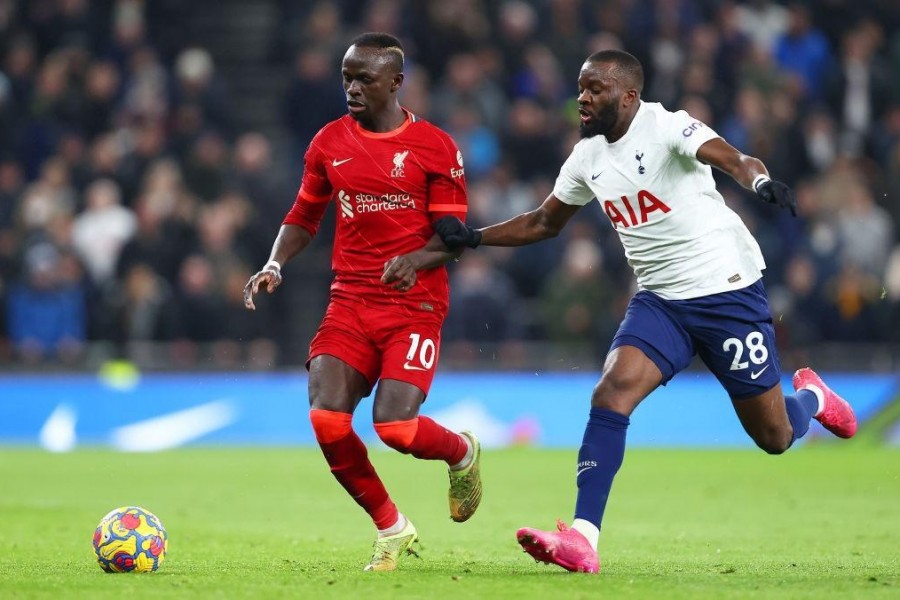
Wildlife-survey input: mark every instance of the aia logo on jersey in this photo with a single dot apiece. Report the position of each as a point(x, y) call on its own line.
point(638, 211)
point(399, 157)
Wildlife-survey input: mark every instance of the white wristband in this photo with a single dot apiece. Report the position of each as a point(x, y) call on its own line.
point(272, 263)
point(758, 181)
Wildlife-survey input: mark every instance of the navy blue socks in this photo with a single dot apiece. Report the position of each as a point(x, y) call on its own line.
point(801, 407)
point(599, 458)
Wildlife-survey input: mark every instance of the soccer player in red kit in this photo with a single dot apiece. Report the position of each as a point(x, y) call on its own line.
point(392, 175)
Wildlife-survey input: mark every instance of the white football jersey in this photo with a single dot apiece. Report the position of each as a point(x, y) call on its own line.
point(679, 236)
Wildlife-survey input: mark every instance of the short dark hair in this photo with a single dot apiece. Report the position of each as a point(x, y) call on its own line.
point(626, 65)
point(377, 39)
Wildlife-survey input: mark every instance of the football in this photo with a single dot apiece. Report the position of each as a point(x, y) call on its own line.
point(130, 539)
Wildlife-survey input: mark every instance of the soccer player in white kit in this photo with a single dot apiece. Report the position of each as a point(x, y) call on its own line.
point(699, 273)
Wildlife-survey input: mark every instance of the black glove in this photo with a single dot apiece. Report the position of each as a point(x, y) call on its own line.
point(456, 234)
point(775, 192)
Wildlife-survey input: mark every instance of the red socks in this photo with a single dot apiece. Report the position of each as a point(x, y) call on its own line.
point(349, 462)
point(423, 438)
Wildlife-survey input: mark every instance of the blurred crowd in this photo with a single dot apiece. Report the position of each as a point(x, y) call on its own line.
point(134, 205)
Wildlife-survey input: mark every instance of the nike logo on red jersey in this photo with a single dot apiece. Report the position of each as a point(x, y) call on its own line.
point(336, 163)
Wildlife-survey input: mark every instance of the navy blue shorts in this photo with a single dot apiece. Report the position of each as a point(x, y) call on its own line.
point(732, 332)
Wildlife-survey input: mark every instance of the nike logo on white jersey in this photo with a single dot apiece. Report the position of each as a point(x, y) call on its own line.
point(410, 367)
point(336, 163)
point(756, 375)
point(594, 177)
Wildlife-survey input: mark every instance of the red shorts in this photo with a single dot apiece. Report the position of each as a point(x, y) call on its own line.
point(380, 344)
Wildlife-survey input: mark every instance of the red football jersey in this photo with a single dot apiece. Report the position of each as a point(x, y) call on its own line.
point(389, 189)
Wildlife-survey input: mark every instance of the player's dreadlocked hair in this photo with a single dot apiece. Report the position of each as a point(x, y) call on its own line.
point(627, 66)
point(385, 41)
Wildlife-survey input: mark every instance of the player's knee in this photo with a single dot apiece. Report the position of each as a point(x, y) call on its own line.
point(773, 441)
point(330, 426)
point(398, 435)
point(615, 394)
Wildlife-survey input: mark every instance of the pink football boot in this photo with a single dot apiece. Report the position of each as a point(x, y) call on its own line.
point(566, 548)
point(837, 415)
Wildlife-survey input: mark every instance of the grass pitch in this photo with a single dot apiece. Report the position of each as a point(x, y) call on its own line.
point(818, 522)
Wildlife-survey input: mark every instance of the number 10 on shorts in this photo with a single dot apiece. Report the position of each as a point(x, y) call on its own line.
point(426, 350)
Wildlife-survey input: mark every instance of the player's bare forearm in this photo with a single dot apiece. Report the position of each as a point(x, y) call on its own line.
point(433, 254)
point(291, 240)
point(400, 271)
point(748, 171)
point(544, 222)
point(743, 168)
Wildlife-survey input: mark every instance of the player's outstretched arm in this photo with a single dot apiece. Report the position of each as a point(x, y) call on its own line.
point(291, 240)
point(748, 171)
point(544, 222)
point(401, 270)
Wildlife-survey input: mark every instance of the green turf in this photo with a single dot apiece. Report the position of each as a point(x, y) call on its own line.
point(815, 523)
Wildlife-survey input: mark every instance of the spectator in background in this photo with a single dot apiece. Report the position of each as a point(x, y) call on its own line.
point(577, 308)
point(517, 26)
point(100, 231)
point(803, 52)
point(105, 157)
point(859, 90)
point(864, 229)
point(198, 305)
point(801, 308)
point(466, 83)
point(145, 308)
point(763, 21)
point(48, 199)
point(478, 144)
point(20, 66)
point(820, 139)
point(8, 125)
point(444, 29)
point(485, 302)
point(254, 175)
point(101, 93)
point(46, 309)
point(129, 32)
point(747, 120)
point(312, 97)
point(565, 33)
point(852, 306)
point(540, 77)
point(698, 82)
point(207, 166)
point(529, 140)
point(786, 152)
point(145, 97)
point(197, 85)
point(164, 235)
point(732, 48)
point(149, 145)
